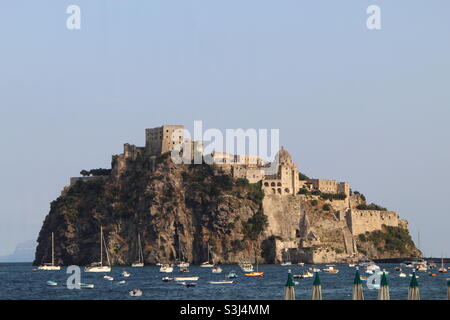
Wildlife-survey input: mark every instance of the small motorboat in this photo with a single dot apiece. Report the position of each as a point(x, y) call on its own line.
point(254, 274)
point(165, 268)
point(363, 278)
point(402, 275)
point(398, 269)
point(86, 286)
point(331, 269)
point(216, 269)
point(184, 279)
point(221, 282)
point(285, 264)
point(189, 284)
point(432, 274)
point(301, 264)
point(207, 265)
point(52, 283)
point(125, 274)
point(232, 275)
point(183, 265)
point(314, 270)
point(167, 279)
point(304, 275)
point(184, 270)
point(108, 278)
point(351, 265)
point(246, 267)
point(121, 282)
point(136, 293)
point(410, 275)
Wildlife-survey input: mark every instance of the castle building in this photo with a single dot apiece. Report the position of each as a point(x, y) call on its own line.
point(163, 139)
point(286, 181)
point(330, 186)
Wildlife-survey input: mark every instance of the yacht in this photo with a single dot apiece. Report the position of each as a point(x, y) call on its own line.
point(207, 264)
point(50, 266)
point(98, 266)
point(140, 262)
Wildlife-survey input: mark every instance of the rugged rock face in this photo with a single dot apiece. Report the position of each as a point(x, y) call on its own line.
point(181, 210)
point(177, 210)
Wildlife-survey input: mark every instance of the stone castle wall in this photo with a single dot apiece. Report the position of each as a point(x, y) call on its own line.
point(362, 221)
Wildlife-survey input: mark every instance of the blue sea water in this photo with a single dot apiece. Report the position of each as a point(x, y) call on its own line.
point(19, 281)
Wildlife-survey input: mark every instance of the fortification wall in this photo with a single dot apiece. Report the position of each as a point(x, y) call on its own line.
point(361, 221)
point(283, 214)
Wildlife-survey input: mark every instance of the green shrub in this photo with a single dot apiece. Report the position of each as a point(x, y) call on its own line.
point(314, 203)
point(326, 207)
point(371, 206)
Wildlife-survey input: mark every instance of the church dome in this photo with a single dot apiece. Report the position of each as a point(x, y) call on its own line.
point(284, 158)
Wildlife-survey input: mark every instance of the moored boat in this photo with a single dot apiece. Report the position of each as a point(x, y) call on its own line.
point(183, 279)
point(52, 283)
point(216, 269)
point(254, 274)
point(166, 268)
point(86, 286)
point(136, 293)
point(50, 266)
point(221, 282)
point(232, 275)
point(246, 267)
point(98, 266)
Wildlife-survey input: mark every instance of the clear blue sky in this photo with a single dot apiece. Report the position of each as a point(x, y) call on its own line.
point(369, 107)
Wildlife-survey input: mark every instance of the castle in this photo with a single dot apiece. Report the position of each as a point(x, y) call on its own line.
point(285, 189)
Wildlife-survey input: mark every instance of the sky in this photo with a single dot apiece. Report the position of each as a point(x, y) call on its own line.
point(371, 107)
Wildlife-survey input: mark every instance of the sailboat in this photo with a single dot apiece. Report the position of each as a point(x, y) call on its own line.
point(182, 264)
point(98, 266)
point(257, 273)
point(48, 266)
point(207, 264)
point(140, 262)
point(288, 262)
point(442, 268)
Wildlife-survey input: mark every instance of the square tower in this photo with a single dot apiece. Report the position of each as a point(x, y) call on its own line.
point(163, 139)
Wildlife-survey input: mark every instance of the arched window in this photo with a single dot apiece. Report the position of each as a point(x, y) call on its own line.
point(266, 184)
point(273, 184)
point(273, 191)
point(279, 190)
point(287, 190)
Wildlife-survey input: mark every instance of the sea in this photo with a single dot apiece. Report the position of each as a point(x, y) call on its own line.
point(20, 282)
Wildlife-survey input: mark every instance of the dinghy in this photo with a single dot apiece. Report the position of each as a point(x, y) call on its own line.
point(136, 293)
point(109, 278)
point(87, 286)
point(125, 274)
point(232, 275)
point(165, 268)
point(221, 282)
point(216, 269)
point(52, 283)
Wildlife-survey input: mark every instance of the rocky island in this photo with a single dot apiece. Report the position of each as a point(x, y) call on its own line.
point(231, 207)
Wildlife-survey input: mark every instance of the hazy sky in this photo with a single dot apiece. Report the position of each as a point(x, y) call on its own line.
point(368, 107)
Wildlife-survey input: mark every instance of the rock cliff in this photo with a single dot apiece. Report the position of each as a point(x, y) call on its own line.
point(181, 210)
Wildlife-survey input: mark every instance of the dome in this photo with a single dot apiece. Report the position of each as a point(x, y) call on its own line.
point(284, 158)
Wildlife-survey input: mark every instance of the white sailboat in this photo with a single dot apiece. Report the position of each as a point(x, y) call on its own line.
point(48, 266)
point(207, 264)
point(442, 269)
point(98, 266)
point(182, 264)
point(288, 262)
point(140, 262)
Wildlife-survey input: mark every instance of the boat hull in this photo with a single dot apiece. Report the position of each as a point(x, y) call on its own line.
point(97, 269)
point(49, 268)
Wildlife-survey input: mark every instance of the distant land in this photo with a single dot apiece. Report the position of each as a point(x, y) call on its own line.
point(24, 252)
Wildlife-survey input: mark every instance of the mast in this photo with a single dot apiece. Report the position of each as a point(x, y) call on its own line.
point(141, 255)
point(101, 246)
point(53, 249)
